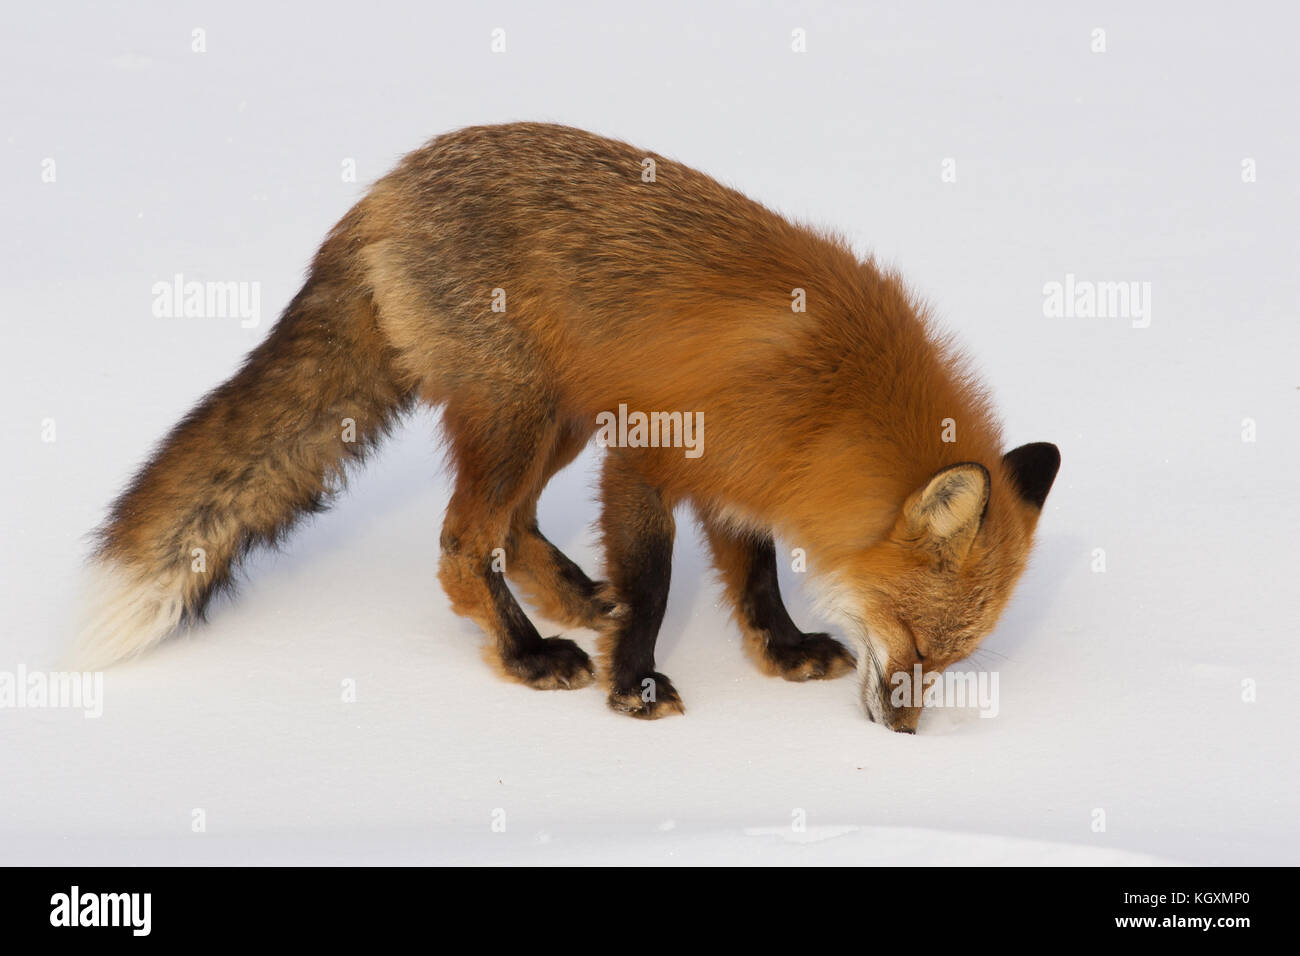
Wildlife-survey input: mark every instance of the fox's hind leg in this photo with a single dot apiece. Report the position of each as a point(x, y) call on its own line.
point(552, 583)
point(499, 458)
point(747, 564)
point(638, 529)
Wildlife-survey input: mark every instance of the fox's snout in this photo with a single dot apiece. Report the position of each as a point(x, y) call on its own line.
point(875, 691)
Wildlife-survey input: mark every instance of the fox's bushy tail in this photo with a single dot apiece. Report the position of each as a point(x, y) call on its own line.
point(257, 453)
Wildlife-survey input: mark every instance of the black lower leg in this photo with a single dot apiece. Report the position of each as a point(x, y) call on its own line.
point(644, 576)
point(516, 634)
point(545, 663)
point(761, 603)
point(783, 647)
point(639, 548)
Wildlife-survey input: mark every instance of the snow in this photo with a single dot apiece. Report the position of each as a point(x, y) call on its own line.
point(1121, 691)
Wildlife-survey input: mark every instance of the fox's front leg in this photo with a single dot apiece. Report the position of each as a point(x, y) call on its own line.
point(747, 564)
point(638, 530)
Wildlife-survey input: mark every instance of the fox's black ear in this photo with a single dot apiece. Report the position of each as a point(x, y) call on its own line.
point(1033, 468)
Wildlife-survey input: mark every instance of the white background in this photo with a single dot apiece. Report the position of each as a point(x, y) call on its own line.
point(1120, 690)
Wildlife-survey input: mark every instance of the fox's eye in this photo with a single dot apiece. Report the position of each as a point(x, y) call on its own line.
point(922, 650)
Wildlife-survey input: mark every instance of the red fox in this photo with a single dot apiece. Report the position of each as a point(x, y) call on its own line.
point(533, 280)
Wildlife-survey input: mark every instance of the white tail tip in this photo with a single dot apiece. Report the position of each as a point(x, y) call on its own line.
point(126, 613)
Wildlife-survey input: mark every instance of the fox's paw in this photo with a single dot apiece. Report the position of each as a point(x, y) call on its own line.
point(648, 699)
point(556, 664)
point(596, 608)
point(816, 657)
point(604, 609)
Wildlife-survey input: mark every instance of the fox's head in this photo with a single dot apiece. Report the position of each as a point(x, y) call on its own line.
point(933, 588)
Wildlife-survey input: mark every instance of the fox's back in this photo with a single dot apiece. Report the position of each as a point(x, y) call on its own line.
point(525, 198)
point(628, 276)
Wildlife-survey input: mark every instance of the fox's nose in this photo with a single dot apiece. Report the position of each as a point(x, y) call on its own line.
point(905, 730)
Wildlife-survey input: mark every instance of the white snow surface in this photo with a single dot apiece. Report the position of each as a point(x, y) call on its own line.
point(1121, 691)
